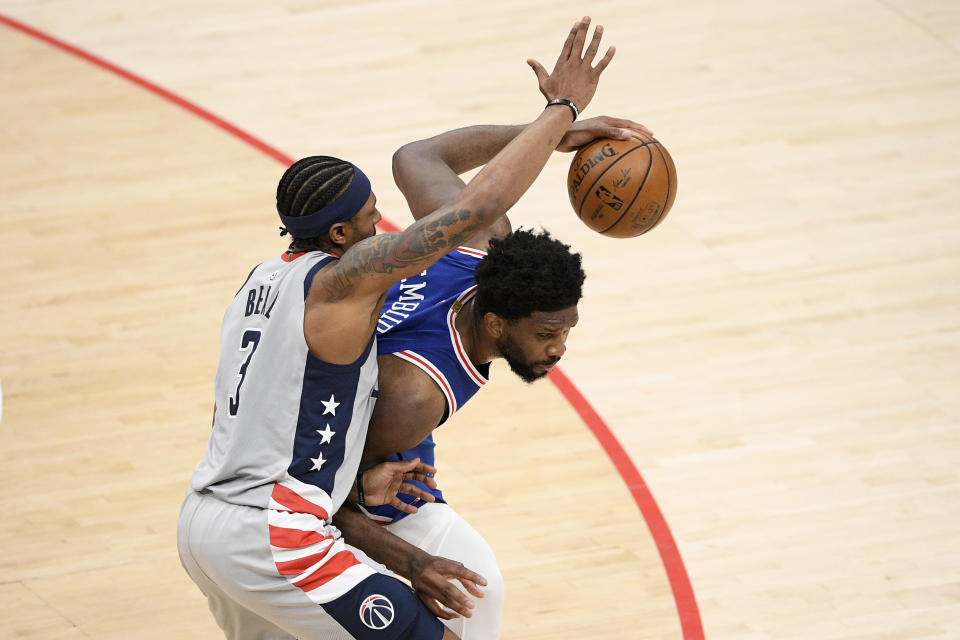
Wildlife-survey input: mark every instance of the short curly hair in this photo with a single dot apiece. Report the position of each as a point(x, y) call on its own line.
point(526, 271)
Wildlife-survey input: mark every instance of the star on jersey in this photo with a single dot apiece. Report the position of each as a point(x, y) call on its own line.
point(326, 434)
point(330, 406)
point(317, 462)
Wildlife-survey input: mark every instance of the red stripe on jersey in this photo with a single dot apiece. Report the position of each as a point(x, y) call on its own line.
point(438, 377)
point(297, 503)
point(457, 344)
point(294, 538)
point(330, 570)
point(472, 252)
point(298, 566)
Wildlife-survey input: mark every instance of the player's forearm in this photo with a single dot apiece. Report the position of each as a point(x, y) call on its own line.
point(374, 263)
point(360, 531)
point(461, 149)
point(511, 172)
point(428, 171)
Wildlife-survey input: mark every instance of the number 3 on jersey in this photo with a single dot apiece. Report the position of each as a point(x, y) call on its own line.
point(249, 341)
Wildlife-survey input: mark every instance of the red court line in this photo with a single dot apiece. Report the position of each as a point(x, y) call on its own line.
point(669, 554)
point(149, 86)
point(683, 595)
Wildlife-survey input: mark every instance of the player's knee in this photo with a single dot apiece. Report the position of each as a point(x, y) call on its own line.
point(484, 562)
point(488, 615)
point(494, 591)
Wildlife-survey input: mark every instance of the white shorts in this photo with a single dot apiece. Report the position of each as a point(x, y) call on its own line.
point(439, 530)
point(300, 580)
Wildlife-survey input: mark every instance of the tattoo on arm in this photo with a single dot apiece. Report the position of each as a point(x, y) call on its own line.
point(337, 286)
point(386, 253)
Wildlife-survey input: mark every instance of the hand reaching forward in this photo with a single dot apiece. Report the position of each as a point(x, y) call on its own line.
point(431, 579)
point(382, 483)
point(587, 131)
point(573, 78)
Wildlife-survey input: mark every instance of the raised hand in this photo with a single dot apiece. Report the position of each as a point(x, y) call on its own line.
point(573, 77)
point(382, 483)
point(431, 580)
point(586, 131)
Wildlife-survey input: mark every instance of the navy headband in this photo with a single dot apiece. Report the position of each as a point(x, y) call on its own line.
point(340, 210)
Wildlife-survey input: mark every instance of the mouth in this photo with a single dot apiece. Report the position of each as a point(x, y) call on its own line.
point(548, 366)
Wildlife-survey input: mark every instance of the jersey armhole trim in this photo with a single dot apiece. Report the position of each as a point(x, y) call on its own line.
point(470, 251)
point(434, 372)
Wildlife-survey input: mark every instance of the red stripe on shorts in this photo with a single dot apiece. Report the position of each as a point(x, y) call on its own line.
point(298, 566)
point(294, 538)
point(330, 570)
point(297, 503)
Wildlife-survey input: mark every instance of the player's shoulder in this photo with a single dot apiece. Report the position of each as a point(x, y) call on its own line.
point(480, 241)
point(331, 280)
point(401, 378)
point(400, 371)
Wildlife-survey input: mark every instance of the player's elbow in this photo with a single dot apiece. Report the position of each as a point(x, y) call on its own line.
point(401, 157)
point(405, 161)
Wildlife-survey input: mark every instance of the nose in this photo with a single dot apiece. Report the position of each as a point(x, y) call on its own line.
point(557, 348)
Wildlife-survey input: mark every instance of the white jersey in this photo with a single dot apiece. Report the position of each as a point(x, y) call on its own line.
point(289, 428)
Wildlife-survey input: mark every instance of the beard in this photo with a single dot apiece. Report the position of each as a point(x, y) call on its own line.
point(513, 354)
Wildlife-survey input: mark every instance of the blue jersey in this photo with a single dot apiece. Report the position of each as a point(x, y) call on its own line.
point(417, 325)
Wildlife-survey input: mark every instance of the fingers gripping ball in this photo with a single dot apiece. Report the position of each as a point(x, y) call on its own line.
point(622, 188)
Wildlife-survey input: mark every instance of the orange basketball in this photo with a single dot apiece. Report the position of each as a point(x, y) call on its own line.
point(622, 188)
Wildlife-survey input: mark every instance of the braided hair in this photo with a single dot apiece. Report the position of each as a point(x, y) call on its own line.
point(308, 185)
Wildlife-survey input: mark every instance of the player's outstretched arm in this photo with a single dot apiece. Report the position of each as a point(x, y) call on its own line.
point(428, 171)
point(429, 575)
point(373, 264)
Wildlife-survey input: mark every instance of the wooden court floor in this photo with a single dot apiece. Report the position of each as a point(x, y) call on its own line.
point(779, 360)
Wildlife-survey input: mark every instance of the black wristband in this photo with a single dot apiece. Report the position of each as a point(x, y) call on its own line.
point(360, 500)
point(573, 107)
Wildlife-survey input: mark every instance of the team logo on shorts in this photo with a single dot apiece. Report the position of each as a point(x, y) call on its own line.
point(376, 612)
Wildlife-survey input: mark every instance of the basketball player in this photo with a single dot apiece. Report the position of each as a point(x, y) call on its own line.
point(500, 294)
point(297, 383)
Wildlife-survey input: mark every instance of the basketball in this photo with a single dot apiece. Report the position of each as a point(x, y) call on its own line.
point(622, 188)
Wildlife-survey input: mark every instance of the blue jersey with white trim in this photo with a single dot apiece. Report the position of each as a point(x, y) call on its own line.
point(417, 325)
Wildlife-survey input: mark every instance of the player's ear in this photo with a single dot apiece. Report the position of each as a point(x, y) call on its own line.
point(338, 234)
point(495, 324)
